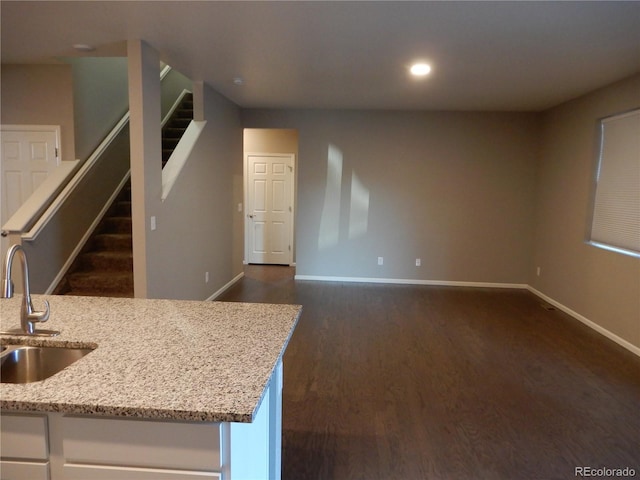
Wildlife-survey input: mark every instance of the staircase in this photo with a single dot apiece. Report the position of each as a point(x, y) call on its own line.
point(105, 265)
point(176, 126)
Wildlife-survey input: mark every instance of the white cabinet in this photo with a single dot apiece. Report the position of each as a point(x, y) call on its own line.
point(24, 447)
point(137, 449)
point(56, 446)
point(108, 448)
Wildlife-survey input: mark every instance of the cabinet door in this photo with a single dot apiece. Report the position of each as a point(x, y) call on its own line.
point(17, 470)
point(142, 444)
point(104, 472)
point(24, 436)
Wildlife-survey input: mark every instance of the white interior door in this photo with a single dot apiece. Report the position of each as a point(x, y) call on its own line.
point(27, 156)
point(270, 209)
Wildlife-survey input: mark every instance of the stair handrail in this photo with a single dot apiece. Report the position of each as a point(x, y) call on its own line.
point(26, 215)
point(34, 217)
point(49, 213)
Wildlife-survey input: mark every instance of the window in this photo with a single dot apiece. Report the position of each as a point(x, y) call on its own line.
point(615, 223)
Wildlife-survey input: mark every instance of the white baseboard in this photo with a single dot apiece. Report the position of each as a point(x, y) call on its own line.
point(603, 331)
point(226, 287)
point(409, 281)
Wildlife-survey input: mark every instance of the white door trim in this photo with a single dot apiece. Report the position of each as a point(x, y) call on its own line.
point(294, 182)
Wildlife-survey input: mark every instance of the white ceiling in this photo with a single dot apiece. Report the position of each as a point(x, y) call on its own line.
point(485, 55)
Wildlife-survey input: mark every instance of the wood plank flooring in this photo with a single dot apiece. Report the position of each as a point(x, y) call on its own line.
point(420, 382)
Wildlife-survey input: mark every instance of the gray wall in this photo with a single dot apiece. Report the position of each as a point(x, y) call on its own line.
point(40, 95)
point(602, 286)
point(198, 222)
point(100, 92)
point(454, 189)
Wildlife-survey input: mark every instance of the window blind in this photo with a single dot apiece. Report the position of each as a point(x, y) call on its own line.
point(616, 207)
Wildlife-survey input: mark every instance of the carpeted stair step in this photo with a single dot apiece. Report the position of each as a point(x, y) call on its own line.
point(179, 122)
point(113, 241)
point(102, 284)
point(117, 224)
point(173, 132)
point(123, 208)
point(108, 261)
point(98, 293)
point(170, 143)
point(184, 113)
point(125, 193)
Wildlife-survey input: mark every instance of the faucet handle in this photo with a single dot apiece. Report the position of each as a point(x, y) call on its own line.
point(42, 316)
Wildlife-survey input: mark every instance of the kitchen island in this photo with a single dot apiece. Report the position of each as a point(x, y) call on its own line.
point(172, 390)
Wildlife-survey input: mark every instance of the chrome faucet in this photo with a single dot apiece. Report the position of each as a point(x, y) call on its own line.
point(28, 316)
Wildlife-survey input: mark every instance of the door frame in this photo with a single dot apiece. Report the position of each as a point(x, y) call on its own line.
point(245, 213)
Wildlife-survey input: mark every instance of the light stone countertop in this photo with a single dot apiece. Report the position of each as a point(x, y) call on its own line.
point(156, 359)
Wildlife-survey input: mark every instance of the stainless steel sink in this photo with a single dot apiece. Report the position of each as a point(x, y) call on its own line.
point(23, 364)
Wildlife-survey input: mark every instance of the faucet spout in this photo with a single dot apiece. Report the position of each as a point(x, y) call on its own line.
point(28, 315)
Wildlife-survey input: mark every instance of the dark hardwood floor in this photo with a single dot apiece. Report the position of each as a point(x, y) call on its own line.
point(420, 382)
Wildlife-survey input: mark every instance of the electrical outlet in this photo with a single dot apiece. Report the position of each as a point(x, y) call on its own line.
point(380, 260)
point(206, 277)
point(418, 262)
point(538, 271)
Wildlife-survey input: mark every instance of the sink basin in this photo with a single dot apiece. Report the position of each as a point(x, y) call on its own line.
point(23, 364)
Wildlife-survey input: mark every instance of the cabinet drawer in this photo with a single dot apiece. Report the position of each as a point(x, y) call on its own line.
point(16, 470)
point(24, 436)
point(141, 443)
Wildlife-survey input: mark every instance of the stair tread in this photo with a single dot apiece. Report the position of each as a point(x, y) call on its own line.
point(101, 283)
point(107, 241)
point(113, 234)
point(117, 224)
point(98, 293)
point(101, 275)
point(113, 254)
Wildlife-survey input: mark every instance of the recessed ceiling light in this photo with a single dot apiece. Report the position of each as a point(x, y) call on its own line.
point(420, 69)
point(238, 81)
point(83, 47)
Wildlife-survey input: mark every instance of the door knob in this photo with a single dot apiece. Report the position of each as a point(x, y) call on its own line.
point(250, 216)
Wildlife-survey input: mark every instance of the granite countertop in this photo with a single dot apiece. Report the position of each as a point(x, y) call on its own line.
point(156, 359)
